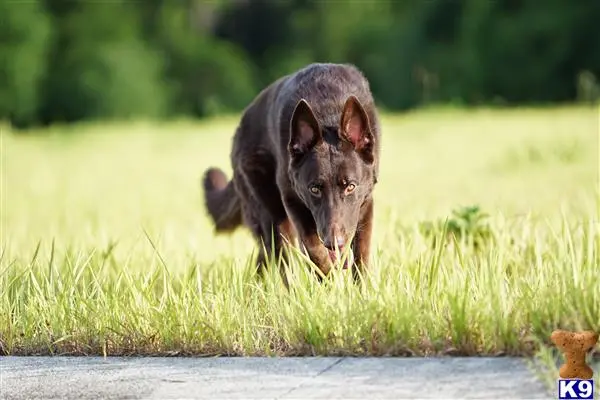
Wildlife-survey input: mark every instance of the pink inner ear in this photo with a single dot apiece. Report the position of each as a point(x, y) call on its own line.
point(306, 133)
point(355, 131)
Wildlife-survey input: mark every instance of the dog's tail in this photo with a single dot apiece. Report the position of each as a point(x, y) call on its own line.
point(221, 200)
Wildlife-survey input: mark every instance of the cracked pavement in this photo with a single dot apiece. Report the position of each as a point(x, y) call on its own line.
point(267, 378)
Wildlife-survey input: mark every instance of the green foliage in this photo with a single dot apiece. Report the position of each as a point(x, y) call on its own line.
point(468, 225)
point(68, 61)
point(25, 31)
point(101, 69)
point(207, 75)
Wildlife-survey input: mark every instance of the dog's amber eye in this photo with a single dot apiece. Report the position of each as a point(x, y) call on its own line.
point(315, 190)
point(350, 188)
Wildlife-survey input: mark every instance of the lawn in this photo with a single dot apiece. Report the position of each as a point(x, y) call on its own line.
point(106, 248)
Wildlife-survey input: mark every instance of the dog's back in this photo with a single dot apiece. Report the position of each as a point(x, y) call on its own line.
point(324, 86)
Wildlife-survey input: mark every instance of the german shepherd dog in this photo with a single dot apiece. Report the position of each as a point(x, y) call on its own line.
point(305, 162)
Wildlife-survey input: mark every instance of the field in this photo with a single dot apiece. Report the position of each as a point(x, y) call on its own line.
point(106, 248)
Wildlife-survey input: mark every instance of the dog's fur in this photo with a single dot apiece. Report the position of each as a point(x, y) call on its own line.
point(305, 161)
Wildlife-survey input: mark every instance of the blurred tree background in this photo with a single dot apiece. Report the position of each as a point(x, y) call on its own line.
point(66, 61)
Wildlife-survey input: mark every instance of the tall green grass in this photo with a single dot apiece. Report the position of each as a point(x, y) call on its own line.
point(106, 248)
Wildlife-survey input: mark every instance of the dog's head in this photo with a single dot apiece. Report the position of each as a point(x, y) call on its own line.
point(332, 168)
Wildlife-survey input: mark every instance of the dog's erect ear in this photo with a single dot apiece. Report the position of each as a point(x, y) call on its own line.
point(305, 130)
point(355, 128)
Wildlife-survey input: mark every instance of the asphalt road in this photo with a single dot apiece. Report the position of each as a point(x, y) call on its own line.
point(267, 378)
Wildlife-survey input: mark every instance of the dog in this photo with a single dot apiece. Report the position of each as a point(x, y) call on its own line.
point(305, 160)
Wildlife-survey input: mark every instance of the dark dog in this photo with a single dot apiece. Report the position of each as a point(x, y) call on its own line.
point(305, 161)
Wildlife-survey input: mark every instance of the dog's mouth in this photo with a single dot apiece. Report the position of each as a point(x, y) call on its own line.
point(337, 256)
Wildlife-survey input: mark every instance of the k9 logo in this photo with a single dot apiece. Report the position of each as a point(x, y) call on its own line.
point(575, 389)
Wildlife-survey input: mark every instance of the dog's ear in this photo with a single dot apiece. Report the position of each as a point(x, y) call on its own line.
point(355, 128)
point(305, 130)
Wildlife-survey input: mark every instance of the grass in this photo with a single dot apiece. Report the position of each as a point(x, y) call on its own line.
point(486, 239)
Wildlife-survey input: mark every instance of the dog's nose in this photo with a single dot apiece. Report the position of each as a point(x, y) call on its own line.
point(338, 240)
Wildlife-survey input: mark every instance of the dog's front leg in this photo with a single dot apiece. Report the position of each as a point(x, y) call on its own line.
point(361, 244)
point(307, 231)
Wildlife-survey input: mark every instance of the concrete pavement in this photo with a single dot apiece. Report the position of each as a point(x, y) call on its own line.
point(267, 378)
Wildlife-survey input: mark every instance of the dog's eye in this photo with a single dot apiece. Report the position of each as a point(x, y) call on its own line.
point(315, 190)
point(350, 188)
